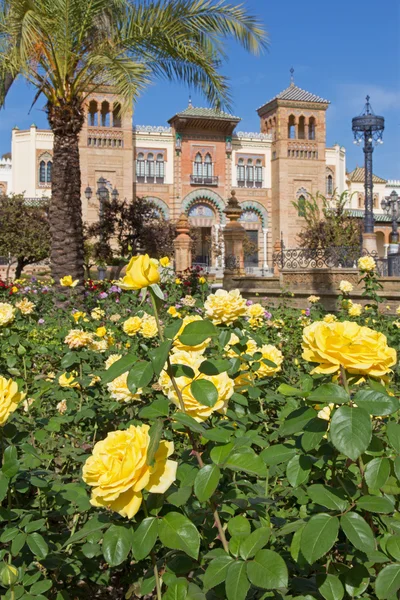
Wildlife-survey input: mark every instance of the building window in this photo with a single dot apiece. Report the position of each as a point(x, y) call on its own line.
point(302, 128)
point(301, 206)
point(258, 173)
point(311, 128)
point(117, 121)
point(105, 114)
point(240, 172)
point(93, 116)
point(198, 165)
point(376, 201)
point(329, 185)
point(150, 168)
point(140, 167)
point(42, 172)
point(292, 127)
point(160, 168)
point(249, 173)
point(208, 167)
point(49, 171)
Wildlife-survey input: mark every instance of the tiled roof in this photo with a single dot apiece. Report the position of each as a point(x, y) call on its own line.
point(208, 113)
point(379, 217)
point(296, 94)
point(358, 176)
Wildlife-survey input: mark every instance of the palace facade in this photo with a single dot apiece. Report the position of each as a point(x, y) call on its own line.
point(192, 164)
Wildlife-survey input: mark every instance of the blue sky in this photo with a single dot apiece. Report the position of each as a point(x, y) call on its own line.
point(340, 51)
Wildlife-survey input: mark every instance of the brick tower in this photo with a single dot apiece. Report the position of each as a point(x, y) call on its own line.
point(296, 120)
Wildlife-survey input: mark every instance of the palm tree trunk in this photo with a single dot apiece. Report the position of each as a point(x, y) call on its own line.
point(67, 252)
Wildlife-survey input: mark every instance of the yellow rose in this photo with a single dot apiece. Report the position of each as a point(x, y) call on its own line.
point(10, 397)
point(251, 346)
point(97, 313)
point(178, 344)
point(165, 262)
point(68, 380)
point(355, 310)
point(99, 345)
point(313, 299)
point(345, 286)
point(202, 280)
point(225, 307)
point(255, 310)
point(132, 325)
point(330, 318)
point(200, 412)
point(140, 273)
point(101, 331)
point(119, 390)
point(68, 282)
point(77, 338)
point(255, 323)
point(7, 313)
point(178, 281)
point(271, 353)
point(25, 306)
point(360, 350)
point(188, 300)
point(149, 327)
point(118, 470)
point(325, 413)
point(62, 407)
point(366, 264)
point(113, 358)
point(14, 289)
point(173, 312)
point(398, 310)
point(77, 315)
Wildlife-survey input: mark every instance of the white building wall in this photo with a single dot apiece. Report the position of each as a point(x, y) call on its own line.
point(25, 145)
point(6, 175)
point(336, 157)
point(149, 137)
point(253, 143)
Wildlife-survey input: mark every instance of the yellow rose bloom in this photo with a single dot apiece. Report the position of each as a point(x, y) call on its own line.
point(165, 262)
point(25, 306)
point(255, 323)
point(132, 325)
point(188, 300)
point(113, 358)
point(355, 310)
point(68, 380)
point(255, 310)
point(313, 299)
point(118, 470)
point(173, 312)
point(77, 315)
point(366, 264)
point(225, 307)
point(77, 338)
point(99, 345)
point(360, 350)
point(149, 327)
point(178, 281)
point(330, 318)
point(62, 407)
point(325, 413)
point(68, 282)
point(101, 331)
point(202, 280)
point(14, 289)
point(119, 390)
point(251, 346)
point(115, 318)
point(10, 398)
point(271, 353)
point(178, 344)
point(193, 408)
point(7, 313)
point(345, 286)
point(140, 273)
point(97, 313)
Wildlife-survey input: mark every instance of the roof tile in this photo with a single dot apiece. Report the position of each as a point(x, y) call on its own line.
point(297, 94)
point(209, 113)
point(358, 176)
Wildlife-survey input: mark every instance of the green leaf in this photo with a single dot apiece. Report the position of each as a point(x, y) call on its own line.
point(277, 454)
point(206, 482)
point(393, 433)
point(297, 420)
point(314, 432)
point(388, 582)
point(172, 329)
point(288, 390)
point(155, 289)
point(4, 481)
point(330, 587)
point(332, 498)
point(177, 532)
point(69, 359)
point(155, 433)
point(239, 526)
point(41, 586)
point(298, 470)
point(318, 537)
point(204, 391)
point(158, 408)
point(329, 393)
point(121, 366)
point(356, 580)
point(34, 525)
point(195, 593)
point(245, 459)
point(182, 371)
point(189, 422)
point(219, 454)
point(158, 356)
point(376, 403)
point(358, 532)
point(117, 543)
point(18, 543)
point(351, 431)
point(197, 332)
point(377, 504)
point(140, 375)
point(37, 545)
point(236, 584)
point(268, 570)
point(254, 542)
point(216, 571)
point(96, 523)
point(177, 590)
point(393, 546)
point(10, 462)
point(214, 366)
point(218, 434)
point(377, 473)
point(144, 538)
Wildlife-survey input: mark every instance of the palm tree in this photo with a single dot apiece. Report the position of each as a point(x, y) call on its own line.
point(69, 48)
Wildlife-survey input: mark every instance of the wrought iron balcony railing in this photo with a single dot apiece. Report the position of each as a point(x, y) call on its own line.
point(204, 180)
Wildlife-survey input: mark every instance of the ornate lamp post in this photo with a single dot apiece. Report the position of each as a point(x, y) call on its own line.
point(368, 128)
point(103, 194)
point(391, 205)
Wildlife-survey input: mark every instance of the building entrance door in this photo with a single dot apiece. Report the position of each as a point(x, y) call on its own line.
point(202, 247)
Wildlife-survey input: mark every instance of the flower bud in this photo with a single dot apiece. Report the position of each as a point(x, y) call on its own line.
point(8, 575)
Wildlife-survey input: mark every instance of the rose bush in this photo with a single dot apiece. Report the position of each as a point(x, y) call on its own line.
point(220, 450)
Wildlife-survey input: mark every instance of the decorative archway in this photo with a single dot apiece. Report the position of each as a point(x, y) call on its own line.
point(259, 209)
point(205, 196)
point(160, 204)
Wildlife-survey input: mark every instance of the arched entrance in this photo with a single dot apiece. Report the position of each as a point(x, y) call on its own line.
point(255, 221)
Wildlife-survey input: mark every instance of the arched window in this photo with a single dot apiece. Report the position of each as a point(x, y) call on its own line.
point(250, 173)
point(240, 172)
point(376, 201)
point(311, 128)
point(258, 173)
point(301, 134)
point(301, 204)
point(49, 171)
point(42, 172)
point(140, 167)
point(329, 185)
point(150, 166)
point(93, 114)
point(117, 121)
point(160, 168)
point(207, 167)
point(198, 165)
point(291, 127)
point(105, 114)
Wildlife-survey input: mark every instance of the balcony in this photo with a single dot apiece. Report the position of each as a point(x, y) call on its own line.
point(248, 183)
point(203, 180)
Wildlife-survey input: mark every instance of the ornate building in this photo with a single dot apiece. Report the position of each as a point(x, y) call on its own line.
point(193, 164)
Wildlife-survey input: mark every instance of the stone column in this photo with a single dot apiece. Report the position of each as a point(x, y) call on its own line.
point(265, 238)
point(182, 245)
point(222, 257)
point(234, 234)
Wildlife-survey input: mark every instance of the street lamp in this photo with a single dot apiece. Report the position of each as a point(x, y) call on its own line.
point(391, 205)
point(368, 127)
